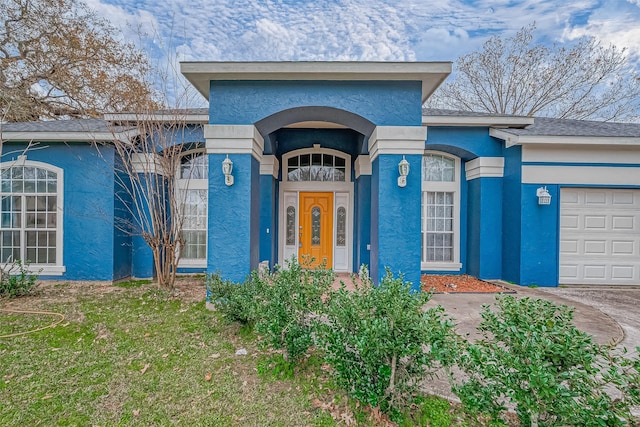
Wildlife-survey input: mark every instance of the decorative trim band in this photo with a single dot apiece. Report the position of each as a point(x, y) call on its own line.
point(269, 165)
point(397, 140)
point(484, 167)
point(237, 139)
point(580, 175)
point(146, 163)
point(363, 165)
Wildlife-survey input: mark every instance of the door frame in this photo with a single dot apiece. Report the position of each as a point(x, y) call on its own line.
point(296, 187)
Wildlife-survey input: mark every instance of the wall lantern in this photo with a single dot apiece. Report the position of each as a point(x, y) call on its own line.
point(544, 198)
point(403, 169)
point(227, 168)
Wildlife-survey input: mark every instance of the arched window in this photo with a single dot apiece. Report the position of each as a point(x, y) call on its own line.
point(31, 215)
point(440, 212)
point(193, 191)
point(316, 167)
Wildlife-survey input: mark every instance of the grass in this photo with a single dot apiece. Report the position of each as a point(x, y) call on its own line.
point(133, 355)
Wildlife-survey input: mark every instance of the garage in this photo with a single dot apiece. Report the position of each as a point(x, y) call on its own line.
point(599, 236)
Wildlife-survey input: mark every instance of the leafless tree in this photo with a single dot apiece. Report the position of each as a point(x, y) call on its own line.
point(516, 76)
point(146, 173)
point(58, 59)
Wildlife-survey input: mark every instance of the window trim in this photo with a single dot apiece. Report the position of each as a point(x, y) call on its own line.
point(449, 187)
point(183, 185)
point(57, 269)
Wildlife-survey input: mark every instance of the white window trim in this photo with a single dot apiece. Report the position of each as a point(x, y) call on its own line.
point(57, 269)
point(451, 187)
point(184, 185)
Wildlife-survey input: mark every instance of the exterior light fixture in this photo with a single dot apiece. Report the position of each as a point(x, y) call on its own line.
point(227, 168)
point(403, 169)
point(544, 198)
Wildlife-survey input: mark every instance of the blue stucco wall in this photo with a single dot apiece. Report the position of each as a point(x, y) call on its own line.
point(344, 140)
point(511, 214)
point(231, 211)
point(122, 244)
point(389, 103)
point(396, 218)
point(483, 230)
point(268, 234)
point(540, 237)
point(464, 142)
point(362, 221)
point(88, 220)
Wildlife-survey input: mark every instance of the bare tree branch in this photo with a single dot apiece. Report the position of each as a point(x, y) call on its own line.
point(516, 76)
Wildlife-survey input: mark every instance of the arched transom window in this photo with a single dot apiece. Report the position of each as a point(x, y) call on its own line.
point(440, 212)
point(316, 167)
point(31, 215)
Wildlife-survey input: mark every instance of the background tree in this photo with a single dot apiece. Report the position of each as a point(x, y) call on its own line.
point(516, 76)
point(58, 59)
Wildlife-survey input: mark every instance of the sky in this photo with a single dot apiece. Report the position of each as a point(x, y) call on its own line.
point(349, 30)
point(373, 30)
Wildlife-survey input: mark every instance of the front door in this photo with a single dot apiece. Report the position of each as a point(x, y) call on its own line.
point(315, 235)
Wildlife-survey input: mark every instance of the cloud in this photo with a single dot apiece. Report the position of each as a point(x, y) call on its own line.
point(613, 23)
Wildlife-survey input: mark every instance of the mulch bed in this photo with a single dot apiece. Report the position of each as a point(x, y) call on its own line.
point(457, 283)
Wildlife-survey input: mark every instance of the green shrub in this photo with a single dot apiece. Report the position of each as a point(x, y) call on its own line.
point(533, 358)
point(16, 280)
point(236, 302)
point(380, 343)
point(291, 299)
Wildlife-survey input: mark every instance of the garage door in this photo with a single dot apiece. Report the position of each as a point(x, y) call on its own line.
point(599, 236)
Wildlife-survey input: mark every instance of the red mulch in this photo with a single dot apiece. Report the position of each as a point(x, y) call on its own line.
point(459, 283)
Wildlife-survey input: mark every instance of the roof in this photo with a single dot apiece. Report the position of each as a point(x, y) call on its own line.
point(512, 129)
point(440, 117)
point(65, 130)
point(430, 74)
point(545, 126)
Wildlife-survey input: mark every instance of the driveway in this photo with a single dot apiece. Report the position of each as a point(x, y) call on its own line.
point(621, 304)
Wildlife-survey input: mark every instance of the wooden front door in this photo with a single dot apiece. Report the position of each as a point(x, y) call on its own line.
point(316, 229)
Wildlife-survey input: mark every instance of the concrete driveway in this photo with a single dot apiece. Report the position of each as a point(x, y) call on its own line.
point(621, 304)
point(597, 321)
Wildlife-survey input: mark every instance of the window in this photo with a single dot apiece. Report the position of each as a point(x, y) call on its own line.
point(193, 190)
point(316, 167)
point(440, 212)
point(31, 216)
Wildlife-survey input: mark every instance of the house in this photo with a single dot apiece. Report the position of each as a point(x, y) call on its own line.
point(338, 160)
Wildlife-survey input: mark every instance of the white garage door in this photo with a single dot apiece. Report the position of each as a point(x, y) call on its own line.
point(599, 236)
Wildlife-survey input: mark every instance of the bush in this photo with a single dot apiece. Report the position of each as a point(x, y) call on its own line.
point(533, 358)
point(380, 343)
point(236, 302)
point(291, 299)
point(16, 280)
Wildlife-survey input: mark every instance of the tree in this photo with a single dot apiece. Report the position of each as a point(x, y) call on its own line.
point(516, 76)
point(152, 205)
point(58, 59)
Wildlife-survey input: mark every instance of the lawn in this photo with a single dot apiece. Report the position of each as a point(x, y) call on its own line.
point(132, 355)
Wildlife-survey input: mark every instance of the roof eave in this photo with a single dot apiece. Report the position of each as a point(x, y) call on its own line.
point(513, 139)
point(162, 118)
point(430, 74)
point(491, 121)
point(69, 136)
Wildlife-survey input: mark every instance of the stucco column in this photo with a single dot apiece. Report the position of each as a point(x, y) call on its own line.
point(362, 211)
point(395, 210)
point(234, 211)
point(269, 168)
point(485, 197)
